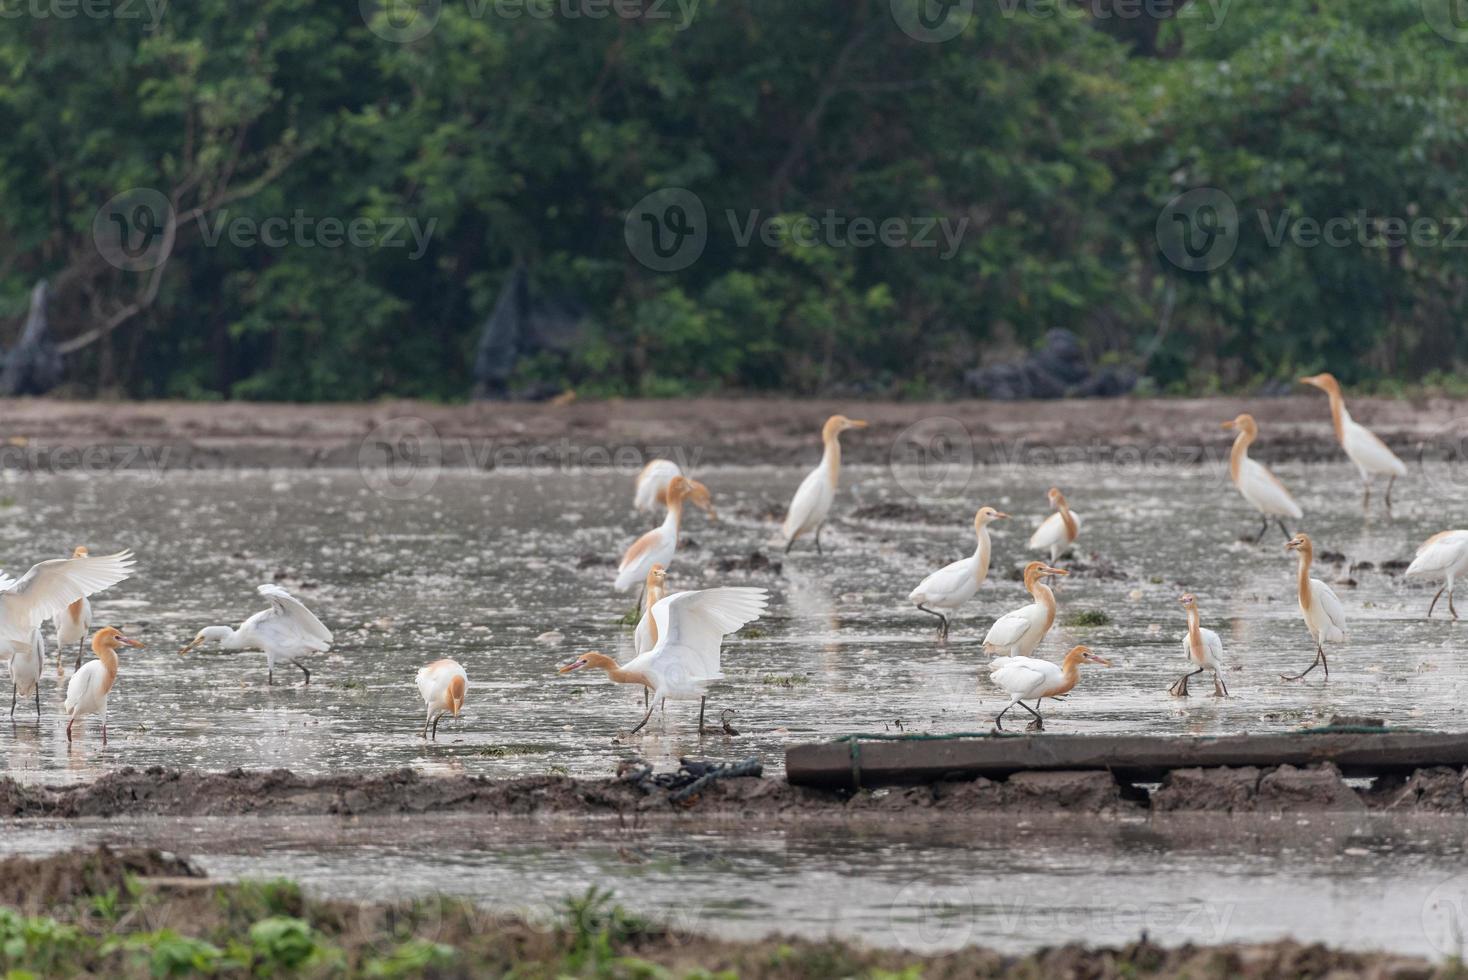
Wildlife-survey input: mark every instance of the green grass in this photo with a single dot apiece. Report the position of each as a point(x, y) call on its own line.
point(1088, 617)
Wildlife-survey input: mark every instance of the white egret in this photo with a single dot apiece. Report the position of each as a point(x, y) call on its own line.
point(442, 685)
point(1444, 556)
point(1202, 647)
point(87, 692)
point(1259, 486)
point(1325, 617)
point(812, 502)
point(1018, 633)
point(954, 584)
point(1370, 454)
point(645, 637)
point(652, 488)
point(73, 624)
point(685, 660)
point(50, 586)
point(657, 546)
point(1059, 530)
point(25, 671)
point(1027, 677)
point(286, 631)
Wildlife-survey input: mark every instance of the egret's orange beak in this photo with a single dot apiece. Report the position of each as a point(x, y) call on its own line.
point(1000, 514)
point(128, 641)
point(1230, 424)
point(573, 665)
point(1047, 570)
point(856, 423)
point(1098, 660)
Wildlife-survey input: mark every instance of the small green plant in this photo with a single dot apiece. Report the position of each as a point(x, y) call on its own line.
point(784, 680)
point(1088, 617)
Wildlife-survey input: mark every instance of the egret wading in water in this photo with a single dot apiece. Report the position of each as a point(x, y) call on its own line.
point(73, 624)
point(1058, 531)
point(652, 488)
point(1029, 678)
point(1018, 633)
point(1370, 454)
point(25, 672)
point(812, 501)
point(1258, 486)
point(285, 631)
point(657, 546)
point(442, 685)
point(50, 587)
point(1203, 647)
point(954, 584)
point(1444, 556)
point(87, 692)
point(645, 636)
point(1325, 617)
point(686, 658)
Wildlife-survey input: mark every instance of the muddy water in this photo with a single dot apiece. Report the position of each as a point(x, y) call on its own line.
point(499, 571)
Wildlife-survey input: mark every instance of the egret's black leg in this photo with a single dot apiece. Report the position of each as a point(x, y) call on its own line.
point(14, 693)
point(999, 721)
point(303, 670)
point(1433, 604)
point(1220, 689)
point(1319, 653)
point(642, 722)
point(789, 544)
point(943, 629)
point(701, 703)
point(38, 704)
point(819, 528)
point(435, 728)
point(1283, 528)
point(1180, 686)
point(1389, 492)
point(80, 649)
point(1263, 530)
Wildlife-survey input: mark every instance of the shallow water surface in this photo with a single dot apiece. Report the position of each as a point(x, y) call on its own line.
point(504, 572)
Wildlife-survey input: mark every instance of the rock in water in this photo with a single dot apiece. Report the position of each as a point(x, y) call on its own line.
point(33, 365)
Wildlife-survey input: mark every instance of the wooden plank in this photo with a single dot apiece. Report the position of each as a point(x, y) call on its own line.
point(909, 761)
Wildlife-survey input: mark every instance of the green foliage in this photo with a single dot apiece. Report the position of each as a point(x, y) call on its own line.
point(1051, 143)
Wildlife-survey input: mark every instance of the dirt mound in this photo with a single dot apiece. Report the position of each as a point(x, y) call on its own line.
point(36, 884)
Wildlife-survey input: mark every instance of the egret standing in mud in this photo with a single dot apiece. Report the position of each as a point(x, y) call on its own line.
point(73, 624)
point(1027, 677)
point(1444, 556)
point(657, 546)
point(652, 488)
point(285, 631)
point(442, 685)
point(1202, 647)
point(25, 671)
point(812, 502)
point(87, 692)
point(50, 587)
point(1258, 486)
point(691, 627)
point(954, 584)
point(1058, 531)
point(1018, 633)
point(1370, 454)
point(1325, 617)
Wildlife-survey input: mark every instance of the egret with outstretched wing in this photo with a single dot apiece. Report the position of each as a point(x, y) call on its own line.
point(285, 631)
point(50, 586)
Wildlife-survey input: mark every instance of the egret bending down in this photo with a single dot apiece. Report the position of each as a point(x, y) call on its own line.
point(691, 627)
point(442, 685)
point(286, 630)
point(1027, 677)
point(812, 501)
point(1444, 556)
point(1325, 617)
point(87, 692)
point(954, 584)
point(1203, 647)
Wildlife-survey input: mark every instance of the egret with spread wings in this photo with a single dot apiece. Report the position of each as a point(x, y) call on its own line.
point(691, 627)
point(50, 587)
point(285, 631)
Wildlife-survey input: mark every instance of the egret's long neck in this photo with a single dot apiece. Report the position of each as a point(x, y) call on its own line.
point(1239, 453)
point(108, 656)
point(831, 459)
point(674, 516)
point(621, 676)
point(1195, 634)
point(1045, 598)
point(1070, 674)
point(1304, 573)
point(981, 553)
point(230, 638)
point(1069, 519)
point(1338, 413)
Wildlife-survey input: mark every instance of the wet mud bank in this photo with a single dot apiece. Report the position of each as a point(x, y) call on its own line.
point(44, 435)
point(140, 913)
point(1283, 789)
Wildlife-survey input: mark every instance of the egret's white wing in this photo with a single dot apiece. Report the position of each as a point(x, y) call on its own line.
point(51, 586)
point(692, 625)
point(1026, 677)
point(1009, 629)
point(950, 580)
point(1439, 553)
point(806, 503)
point(1335, 612)
point(1262, 489)
point(1052, 531)
point(1369, 452)
point(86, 685)
point(653, 479)
point(5, 581)
point(286, 605)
